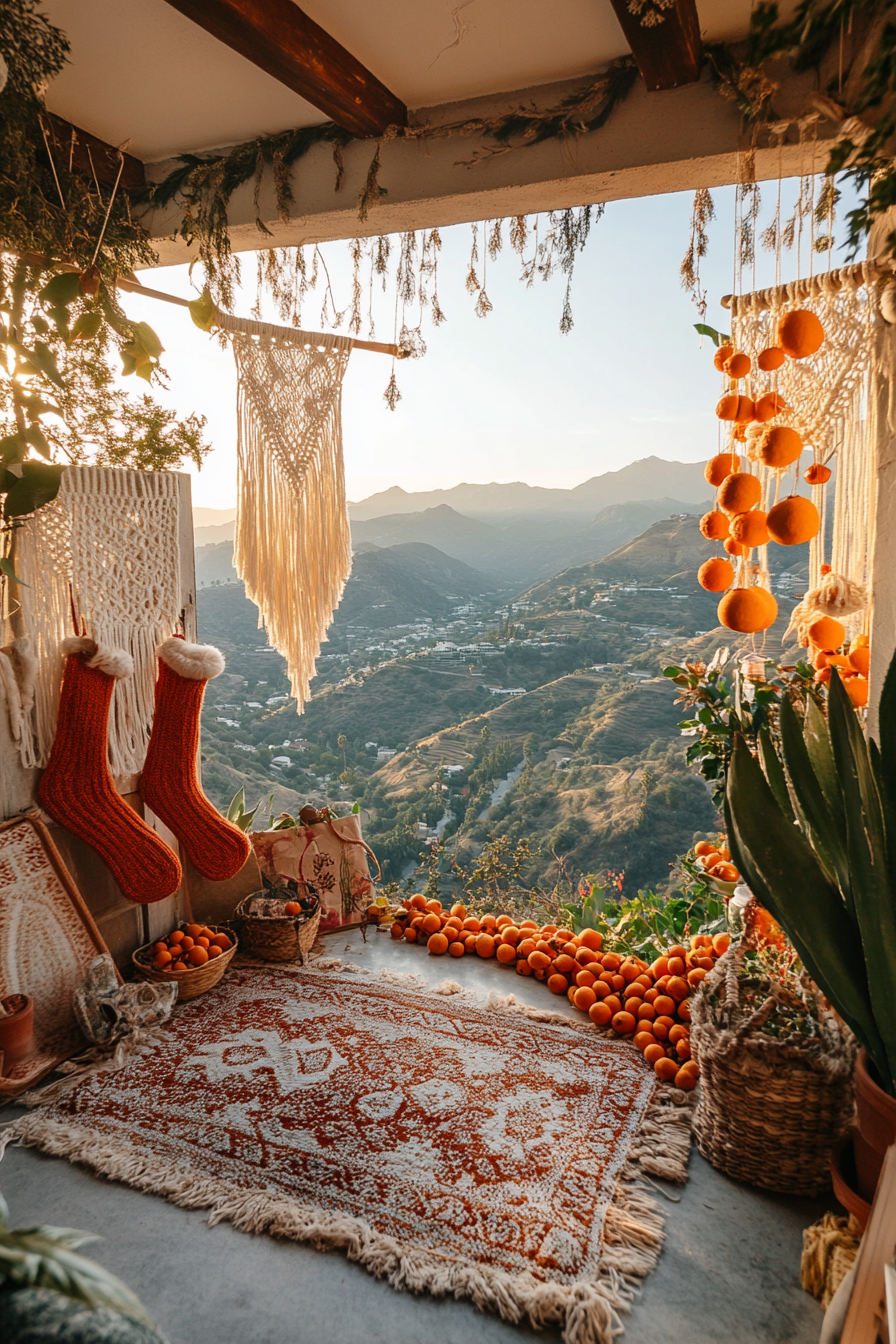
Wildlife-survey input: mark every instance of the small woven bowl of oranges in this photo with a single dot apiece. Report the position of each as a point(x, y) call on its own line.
point(715, 860)
point(194, 956)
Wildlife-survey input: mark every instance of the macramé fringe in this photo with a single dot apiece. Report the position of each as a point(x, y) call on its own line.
point(589, 1311)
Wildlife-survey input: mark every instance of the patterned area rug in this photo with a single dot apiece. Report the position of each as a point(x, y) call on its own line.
point(450, 1144)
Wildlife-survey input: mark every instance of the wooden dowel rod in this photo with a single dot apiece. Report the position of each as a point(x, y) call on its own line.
point(134, 287)
point(811, 285)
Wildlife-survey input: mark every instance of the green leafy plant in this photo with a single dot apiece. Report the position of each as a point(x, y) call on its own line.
point(47, 1257)
point(725, 703)
point(236, 811)
point(814, 834)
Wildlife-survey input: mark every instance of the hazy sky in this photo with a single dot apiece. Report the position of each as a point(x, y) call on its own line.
point(506, 397)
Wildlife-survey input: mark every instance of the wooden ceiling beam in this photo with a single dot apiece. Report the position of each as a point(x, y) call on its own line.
point(279, 38)
point(88, 154)
point(669, 51)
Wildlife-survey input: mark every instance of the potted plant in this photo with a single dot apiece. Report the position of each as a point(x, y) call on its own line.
point(814, 833)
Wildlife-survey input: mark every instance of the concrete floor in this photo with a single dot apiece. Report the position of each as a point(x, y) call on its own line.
point(729, 1269)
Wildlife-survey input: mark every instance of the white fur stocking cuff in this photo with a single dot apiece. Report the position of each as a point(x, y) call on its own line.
point(114, 662)
point(198, 662)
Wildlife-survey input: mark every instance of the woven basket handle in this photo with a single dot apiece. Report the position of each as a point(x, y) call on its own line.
point(367, 850)
point(726, 973)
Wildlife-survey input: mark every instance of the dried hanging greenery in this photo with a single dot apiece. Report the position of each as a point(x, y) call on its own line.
point(61, 333)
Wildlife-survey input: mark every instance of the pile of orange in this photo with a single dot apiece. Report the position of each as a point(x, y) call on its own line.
point(716, 860)
point(622, 993)
point(738, 519)
point(828, 648)
point(186, 948)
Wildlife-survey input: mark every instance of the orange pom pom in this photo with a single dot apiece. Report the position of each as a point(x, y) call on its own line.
point(748, 610)
point(734, 547)
point(716, 575)
point(817, 474)
point(769, 406)
point(793, 521)
point(733, 407)
point(800, 333)
point(749, 529)
point(723, 353)
point(720, 466)
point(780, 446)
point(739, 492)
point(737, 365)
point(771, 358)
point(714, 526)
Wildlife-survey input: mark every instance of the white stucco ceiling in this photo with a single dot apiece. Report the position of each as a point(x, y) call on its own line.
point(141, 72)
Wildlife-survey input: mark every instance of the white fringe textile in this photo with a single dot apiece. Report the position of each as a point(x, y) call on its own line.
point(589, 1311)
point(292, 545)
point(108, 544)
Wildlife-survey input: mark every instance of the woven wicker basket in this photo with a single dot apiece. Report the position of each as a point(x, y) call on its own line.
point(195, 981)
point(277, 938)
point(770, 1111)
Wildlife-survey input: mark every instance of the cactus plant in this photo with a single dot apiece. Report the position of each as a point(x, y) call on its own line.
point(814, 834)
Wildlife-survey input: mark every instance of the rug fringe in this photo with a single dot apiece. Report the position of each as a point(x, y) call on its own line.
point(589, 1311)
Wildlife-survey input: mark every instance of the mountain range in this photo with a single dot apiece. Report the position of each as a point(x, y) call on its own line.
point(650, 478)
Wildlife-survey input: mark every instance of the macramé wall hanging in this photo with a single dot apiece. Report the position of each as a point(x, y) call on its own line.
point(292, 545)
point(104, 557)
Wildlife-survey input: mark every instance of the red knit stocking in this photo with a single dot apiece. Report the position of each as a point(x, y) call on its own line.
point(77, 789)
point(169, 783)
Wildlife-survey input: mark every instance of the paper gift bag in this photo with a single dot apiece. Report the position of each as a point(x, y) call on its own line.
point(329, 856)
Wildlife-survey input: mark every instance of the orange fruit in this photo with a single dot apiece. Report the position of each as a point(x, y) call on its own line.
point(723, 353)
point(193, 930)
point(676, 965)
point(721, 943)
point(684, 1012)
point(646, 1012)
point(585, 980)
point(507, 955)
point(203, 942)
point(623, 1023)
point(162, 958)
point(197, 956)
point(437, 945)
point(523, 967)
point(511, 934)
point(525, 947)
point(186, 944)
point(733, 407)
point(653, 1052)
point(664, 1006)
point(734, 547)
point(539, 961)
point(748, 610)
point(214, 951)
point(431, 923)
point(800, 333)
point(793, 520)
point(683, 1048)
point(611, 961)
point(715, 575)
point(780, 446)
point(665, 1069)
point(614, 1004)
point(459, 911)
point(410, 935)
point(708, 861)
point(678, 988)
point(485, 945)
point(768, 407)
point(543, 946)
point(695, 976)
point(771, 358)
point(677, 1033)
point(592, 939)
point(293, 908)
point(503, 921)
point(585, 956)
point(178, 966)
point(817, 474)
point(565, 965)
point(703, 847)
point(600, 1014)
point(434, 907)
point(644, 1038)
point(737, 366)
point(176, 937)
point(584, 998)
point(417, 902)
point(470, 942)
point(714, 526)
point(686, 1079)
point(827, 633)
point(558, 984)
point(720, 466)
point(725, 872)
point(661, 1027)
point(860, 659)
point(456, 949)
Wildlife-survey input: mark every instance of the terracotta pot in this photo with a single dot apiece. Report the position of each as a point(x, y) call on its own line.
point(16, 1030)
point(843, 1178)
point(876, 1119)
